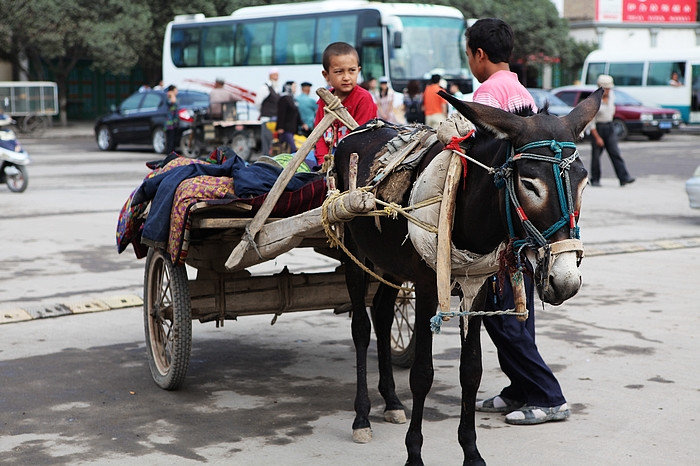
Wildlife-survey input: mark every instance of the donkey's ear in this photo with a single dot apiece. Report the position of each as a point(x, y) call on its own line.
point(584, 112)
point(499, 123)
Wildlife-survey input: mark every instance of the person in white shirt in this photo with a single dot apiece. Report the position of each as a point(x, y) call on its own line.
point(603, 136)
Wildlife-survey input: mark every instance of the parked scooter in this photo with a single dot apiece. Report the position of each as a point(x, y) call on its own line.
point(13, 158)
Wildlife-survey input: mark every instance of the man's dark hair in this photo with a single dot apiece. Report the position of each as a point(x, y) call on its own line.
point(434, 79)
point(494, 37)
point(338, 48)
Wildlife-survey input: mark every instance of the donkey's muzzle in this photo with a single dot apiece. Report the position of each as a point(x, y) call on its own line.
point(557, 276)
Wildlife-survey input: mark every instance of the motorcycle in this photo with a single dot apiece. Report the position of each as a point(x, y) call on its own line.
point(13, 158)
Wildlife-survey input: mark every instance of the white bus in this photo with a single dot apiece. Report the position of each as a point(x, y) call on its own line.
point(399, 41)
point(646, 75)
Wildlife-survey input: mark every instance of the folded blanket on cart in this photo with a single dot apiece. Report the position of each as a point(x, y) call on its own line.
point(309, 196)
point(177, 183)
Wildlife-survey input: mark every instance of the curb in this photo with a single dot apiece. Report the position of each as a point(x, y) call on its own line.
point(69, 308)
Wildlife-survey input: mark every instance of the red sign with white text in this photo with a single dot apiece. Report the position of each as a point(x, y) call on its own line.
point(659, 11)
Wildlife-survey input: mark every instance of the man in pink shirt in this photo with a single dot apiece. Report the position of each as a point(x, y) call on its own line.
point(534, 395)
point(488, 61)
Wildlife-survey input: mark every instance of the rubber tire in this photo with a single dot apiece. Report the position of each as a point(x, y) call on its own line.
point(621, 129)
point(158, 140)
point(105, 141)
point(191, 151)
point(403, 337)
point(166, 289)
point(18, 183)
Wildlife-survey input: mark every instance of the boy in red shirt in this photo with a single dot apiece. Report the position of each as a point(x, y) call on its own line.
point(341, 66)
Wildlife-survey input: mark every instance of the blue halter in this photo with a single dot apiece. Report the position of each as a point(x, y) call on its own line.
point(504, 178)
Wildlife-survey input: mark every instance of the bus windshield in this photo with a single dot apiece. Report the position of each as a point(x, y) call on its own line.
point(430, 45)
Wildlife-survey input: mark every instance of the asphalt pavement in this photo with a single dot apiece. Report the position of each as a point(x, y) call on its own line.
point(625, 350)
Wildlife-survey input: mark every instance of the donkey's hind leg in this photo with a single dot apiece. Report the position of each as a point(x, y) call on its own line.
point(383, 316)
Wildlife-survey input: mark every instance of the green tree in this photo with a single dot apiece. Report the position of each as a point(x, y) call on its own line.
point(39, 35)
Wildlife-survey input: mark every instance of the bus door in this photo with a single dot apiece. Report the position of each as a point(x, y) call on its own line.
point(371, 51)
point(695, 94)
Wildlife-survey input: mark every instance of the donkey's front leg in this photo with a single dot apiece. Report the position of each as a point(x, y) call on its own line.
point(470, 369)
point(383, 316)
point(361, 329)
point(422, 372)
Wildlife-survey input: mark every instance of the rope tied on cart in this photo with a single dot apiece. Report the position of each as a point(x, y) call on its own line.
point(334, 211)
point(250, 238)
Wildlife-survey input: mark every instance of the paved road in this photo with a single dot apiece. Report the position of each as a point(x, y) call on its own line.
point(76, 390)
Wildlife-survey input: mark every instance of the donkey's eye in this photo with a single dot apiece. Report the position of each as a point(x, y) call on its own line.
point(530, 186)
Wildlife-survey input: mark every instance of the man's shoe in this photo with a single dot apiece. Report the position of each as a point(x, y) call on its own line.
point(529, 415)
point(498, 404)
point(595, 183)
point(627, 181)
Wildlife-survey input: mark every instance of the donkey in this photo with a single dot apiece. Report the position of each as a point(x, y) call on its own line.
point(481, 223)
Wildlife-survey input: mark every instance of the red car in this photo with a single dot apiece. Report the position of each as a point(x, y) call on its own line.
point(631, 116)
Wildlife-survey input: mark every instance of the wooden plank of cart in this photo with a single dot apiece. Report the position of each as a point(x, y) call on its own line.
point(224, 289)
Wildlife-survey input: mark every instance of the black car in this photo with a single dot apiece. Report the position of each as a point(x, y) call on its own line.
point(140, 118)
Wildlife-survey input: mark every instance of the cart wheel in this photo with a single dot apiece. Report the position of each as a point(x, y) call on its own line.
point(167, 319)
point(34, 124)
point(403, 339)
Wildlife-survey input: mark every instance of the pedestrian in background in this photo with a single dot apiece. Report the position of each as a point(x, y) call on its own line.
point(386, 105)
point(171, 122)
point(288, 118)
point(217, 98)
point(266, 102)
point(603, 136)
point(307, 106)
point(413, 103)
point(454, 90)
point(434, 106)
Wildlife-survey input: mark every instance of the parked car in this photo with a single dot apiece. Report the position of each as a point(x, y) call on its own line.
point(692, 187)
point(631, 116)
point(139, 119)
point(556, 106)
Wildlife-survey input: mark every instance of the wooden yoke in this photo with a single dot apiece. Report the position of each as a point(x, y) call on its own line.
point(334, 110)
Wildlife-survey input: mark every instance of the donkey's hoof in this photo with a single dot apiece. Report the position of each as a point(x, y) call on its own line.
point(363, 435)
point(395, 416)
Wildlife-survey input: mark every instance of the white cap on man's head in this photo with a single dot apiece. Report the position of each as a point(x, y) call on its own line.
point(274, 70)
point(606, 81)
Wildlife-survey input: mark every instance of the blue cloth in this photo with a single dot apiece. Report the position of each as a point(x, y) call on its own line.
point(531, 380)
point(248, 181)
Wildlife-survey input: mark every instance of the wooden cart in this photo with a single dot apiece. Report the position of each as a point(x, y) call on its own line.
point(224, 289)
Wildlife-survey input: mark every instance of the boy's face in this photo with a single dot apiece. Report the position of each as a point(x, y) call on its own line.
point(342, 74)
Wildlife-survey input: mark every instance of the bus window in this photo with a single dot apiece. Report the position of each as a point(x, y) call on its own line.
point(660, 72)
point(254, 43)
point(627, 74)
point(594, 70)
point(335, 29)
point(294, 40)
point(184, 46)
point(217, 46)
